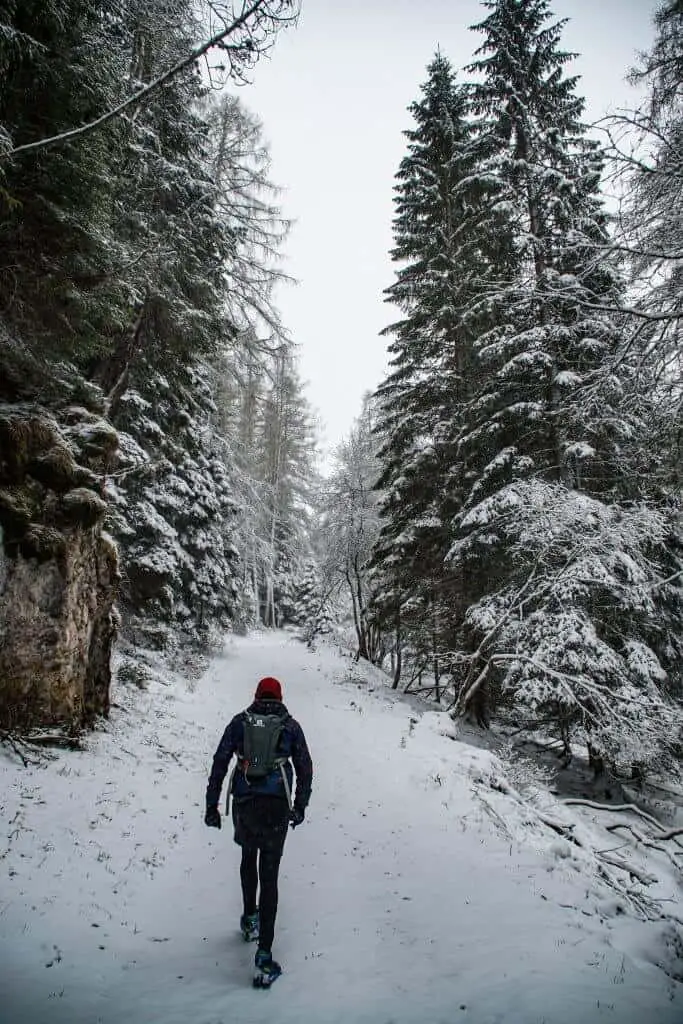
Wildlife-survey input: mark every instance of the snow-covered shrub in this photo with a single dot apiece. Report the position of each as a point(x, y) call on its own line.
point(583, 634)
point(525, 774)
point(173, 505)
point(133, 672)
point(310, 611)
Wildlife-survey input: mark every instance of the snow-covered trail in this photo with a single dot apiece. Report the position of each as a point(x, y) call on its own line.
point(400, 900)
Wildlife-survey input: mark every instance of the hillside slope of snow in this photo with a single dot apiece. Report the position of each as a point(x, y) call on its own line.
point(418, 890)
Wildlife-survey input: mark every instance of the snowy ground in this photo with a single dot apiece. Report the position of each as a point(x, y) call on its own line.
point(417, 890)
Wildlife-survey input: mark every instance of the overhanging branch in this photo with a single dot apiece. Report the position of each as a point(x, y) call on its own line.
point(252, 11)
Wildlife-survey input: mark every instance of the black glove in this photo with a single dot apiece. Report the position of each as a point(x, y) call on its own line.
point(296, 816)
point(212, 817)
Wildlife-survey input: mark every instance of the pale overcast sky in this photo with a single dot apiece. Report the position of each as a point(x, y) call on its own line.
point(332, 99)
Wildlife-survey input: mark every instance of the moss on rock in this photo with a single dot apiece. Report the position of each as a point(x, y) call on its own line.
point(43, 543)
point(16, 509)
point(82, 506)
point(23, 436)
point(56, 468)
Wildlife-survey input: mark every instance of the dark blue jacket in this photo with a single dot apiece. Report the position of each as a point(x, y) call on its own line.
point(292, 746)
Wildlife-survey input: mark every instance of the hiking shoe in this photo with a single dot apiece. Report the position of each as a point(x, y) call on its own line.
point(249, 926)
point(264, 963)
point(266, 971)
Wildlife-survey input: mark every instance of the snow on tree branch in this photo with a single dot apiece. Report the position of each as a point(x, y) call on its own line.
point(244, 38)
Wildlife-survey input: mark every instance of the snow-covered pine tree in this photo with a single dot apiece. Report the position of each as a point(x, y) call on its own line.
point(173, 245)
point(654, 217)
point(430, 357)
point(536, 407)
point(139, 247)
point(173, 501)
point(286, 456)
point(268, 427)
point(285, 577)
point(311, 612)
point(543, 449)
point(175, 510)
point(59, 65)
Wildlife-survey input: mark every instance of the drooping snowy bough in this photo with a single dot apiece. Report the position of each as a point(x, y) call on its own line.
point(582, 636)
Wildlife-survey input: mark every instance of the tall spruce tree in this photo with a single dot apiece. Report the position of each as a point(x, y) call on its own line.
point(430, 355)
point(549, 335)
point(544, 447)
point(59, 65)
point(174, 509)
point(173, 244)
point(287, 455)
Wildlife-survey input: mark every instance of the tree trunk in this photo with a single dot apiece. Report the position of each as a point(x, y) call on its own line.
point(361, 651)
point(596, 761)
point(435, 656)
point(399, 659)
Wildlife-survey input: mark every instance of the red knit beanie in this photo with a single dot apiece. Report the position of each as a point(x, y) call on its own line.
point(268, 689)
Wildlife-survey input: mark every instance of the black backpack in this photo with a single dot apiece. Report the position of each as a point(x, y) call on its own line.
point(260, 755)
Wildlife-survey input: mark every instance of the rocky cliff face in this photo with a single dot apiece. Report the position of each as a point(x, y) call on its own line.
point(58, 568)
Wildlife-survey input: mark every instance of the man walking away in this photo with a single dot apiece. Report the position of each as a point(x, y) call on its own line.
point(267, 741)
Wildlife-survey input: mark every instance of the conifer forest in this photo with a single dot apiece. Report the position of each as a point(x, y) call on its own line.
point(500, 532)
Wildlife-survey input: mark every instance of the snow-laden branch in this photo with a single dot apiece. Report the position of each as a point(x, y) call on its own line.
point(270, 10)
point(661, 834)
point(601, 861)
point(631, 808)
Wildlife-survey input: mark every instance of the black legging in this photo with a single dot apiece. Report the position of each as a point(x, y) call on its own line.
point(261, 866)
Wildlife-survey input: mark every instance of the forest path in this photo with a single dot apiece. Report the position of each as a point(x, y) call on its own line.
point(403, 898)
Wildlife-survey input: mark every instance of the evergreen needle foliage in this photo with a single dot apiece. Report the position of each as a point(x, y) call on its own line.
point(138, 260)
point(527, 550)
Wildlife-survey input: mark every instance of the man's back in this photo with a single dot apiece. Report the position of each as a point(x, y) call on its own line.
point(292, 749)
point(264, 804)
